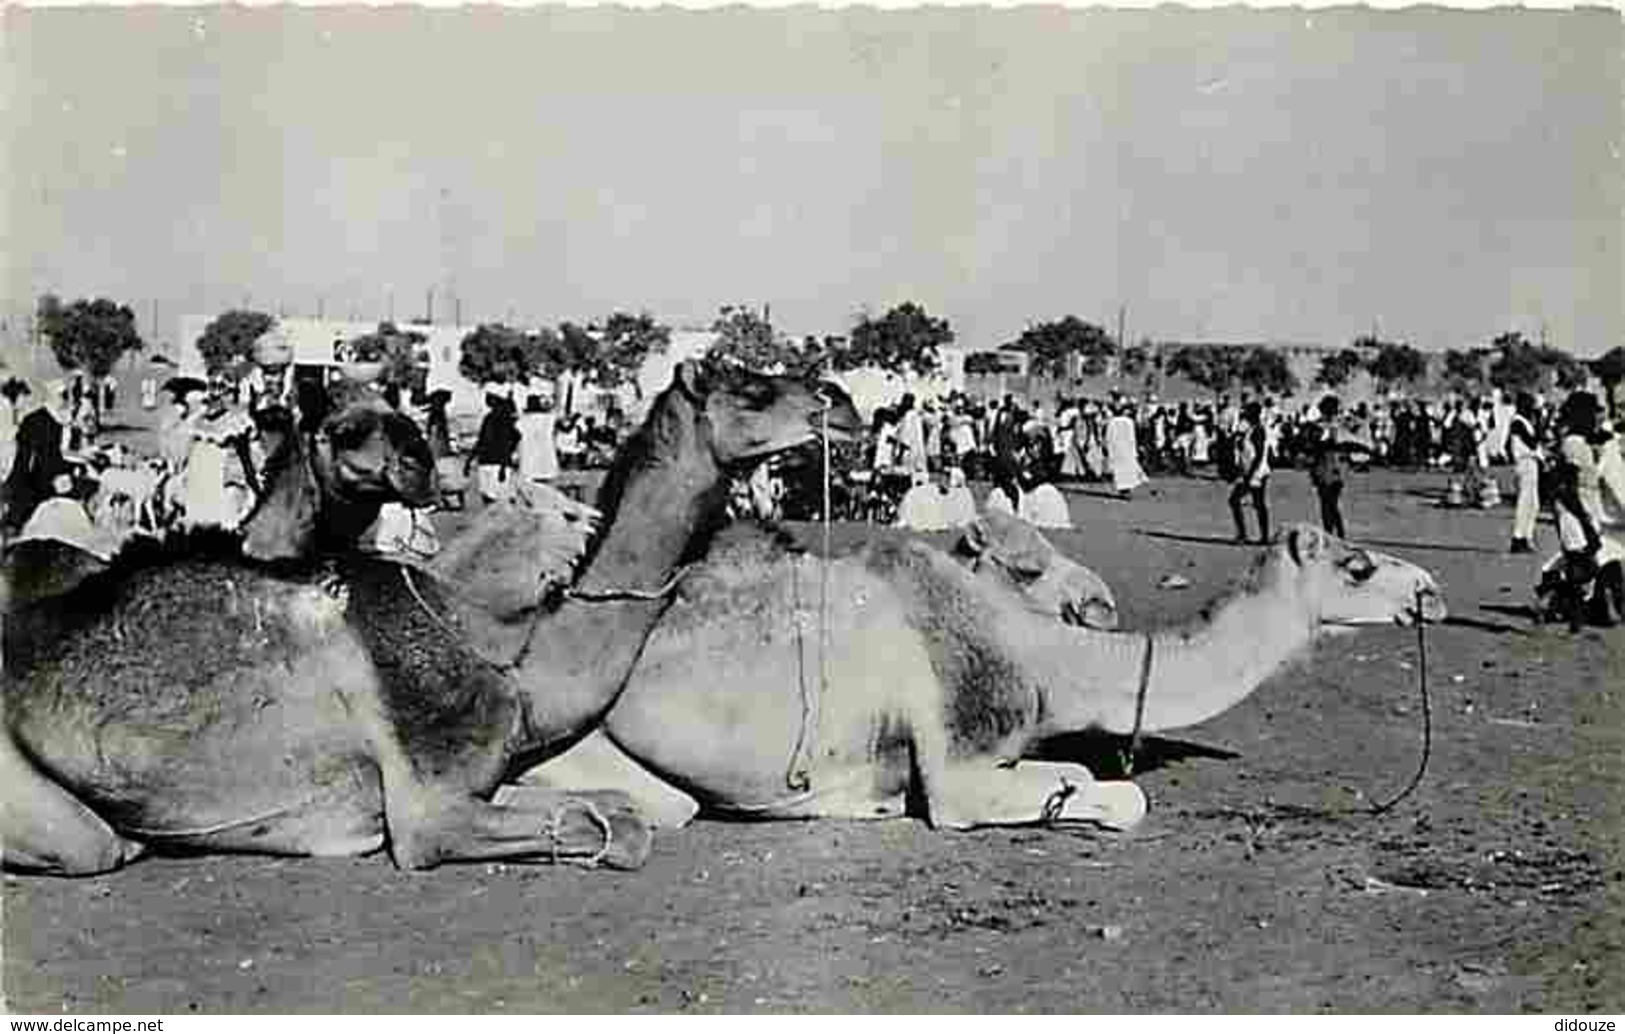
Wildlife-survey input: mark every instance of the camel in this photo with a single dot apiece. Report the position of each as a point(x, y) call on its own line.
point(208, 705)
point(938, 682)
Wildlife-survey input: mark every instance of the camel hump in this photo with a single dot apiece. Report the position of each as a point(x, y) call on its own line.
point(510, 557)
point(42, 569)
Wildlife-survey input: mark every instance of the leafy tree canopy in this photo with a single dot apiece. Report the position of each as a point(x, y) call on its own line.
point(1266, 370)
point(1610, 366)
point(1522, 366)
point(907, 339)
point(1336, 368)
point(748, 338)
point(1214, 367)
point(1052, 344)
point(87, 334)
point(1394, 362)
point(1463, 370)
point(496, 353)
point(626, 341)
point(404, 367)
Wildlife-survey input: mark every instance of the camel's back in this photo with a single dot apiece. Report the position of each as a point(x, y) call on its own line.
point(126, 636)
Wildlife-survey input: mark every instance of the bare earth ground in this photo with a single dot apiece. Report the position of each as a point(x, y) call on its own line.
point(1496, 887)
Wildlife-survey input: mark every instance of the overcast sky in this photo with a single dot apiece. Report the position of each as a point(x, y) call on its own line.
point(1227, 175)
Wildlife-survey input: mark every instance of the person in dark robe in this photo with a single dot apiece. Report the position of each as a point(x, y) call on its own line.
point(39, 459)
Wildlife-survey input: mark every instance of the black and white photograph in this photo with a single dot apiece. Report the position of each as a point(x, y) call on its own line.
point(797, 510)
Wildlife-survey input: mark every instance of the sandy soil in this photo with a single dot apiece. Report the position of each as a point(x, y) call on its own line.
point(1255, 885)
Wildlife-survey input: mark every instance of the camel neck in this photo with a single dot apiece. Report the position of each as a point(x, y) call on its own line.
point(581, 655)
point(1197, 672)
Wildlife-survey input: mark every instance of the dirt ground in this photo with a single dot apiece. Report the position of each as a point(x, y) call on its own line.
point(1496, 887)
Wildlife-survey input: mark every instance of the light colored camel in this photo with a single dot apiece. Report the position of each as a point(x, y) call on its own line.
point(938, 682)
point(211, 706)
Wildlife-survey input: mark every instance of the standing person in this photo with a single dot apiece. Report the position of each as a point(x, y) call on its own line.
point(538, 456)
point(493, 450)
point(1123, 452)
point(1523, 444)
point(39, 458)
point(1252, 473)
point(1579, 503)
point(911, 433)
point(1326, 467)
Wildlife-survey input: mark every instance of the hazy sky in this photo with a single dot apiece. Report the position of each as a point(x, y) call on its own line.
point(1235, 175)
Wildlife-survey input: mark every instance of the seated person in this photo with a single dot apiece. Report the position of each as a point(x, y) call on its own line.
point(1043, 506)
point(921, 508)
point(958, 506)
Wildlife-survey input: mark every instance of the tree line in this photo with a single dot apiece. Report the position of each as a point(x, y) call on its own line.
point(91, 334)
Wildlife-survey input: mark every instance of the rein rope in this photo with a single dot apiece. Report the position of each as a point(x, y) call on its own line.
point(1427, 713)
point(1131, 758)
point(797, 776)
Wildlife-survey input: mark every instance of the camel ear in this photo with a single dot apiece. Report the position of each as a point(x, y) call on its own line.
point(1306, 543)
point(693, 378)
point(283, 525)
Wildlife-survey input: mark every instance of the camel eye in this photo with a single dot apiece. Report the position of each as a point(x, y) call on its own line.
point(1359, 567)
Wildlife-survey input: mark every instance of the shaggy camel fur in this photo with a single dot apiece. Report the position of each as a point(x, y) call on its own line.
point(209, 705)
point(939, 682)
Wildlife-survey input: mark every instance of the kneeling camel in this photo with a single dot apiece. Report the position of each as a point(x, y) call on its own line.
point(939, 682)
point(212, 705)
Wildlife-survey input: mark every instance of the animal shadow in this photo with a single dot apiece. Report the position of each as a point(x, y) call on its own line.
point(1106, 754)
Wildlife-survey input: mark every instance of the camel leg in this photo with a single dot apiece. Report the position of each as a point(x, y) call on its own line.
point(43, 828)
point(596, 763)
point(981, 792)
point(530, 824)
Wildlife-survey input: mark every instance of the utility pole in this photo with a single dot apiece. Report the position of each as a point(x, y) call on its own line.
point(1122, 342)
point(429, 308)
point(457, 307)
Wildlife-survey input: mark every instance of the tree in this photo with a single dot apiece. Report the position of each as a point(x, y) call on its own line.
point(1336, 368)
point(1522, 366)
point(1137, 359)
point(747, 338)
point(88, 335)
point(227, 343)
point(1610, 369)
point(1214, 367)
point(907, 339)
point(1394, 363)
point(626, 341)
point(404, 368)
point(1266, 370)
point(1052, 344)
point(574, 349)
point(1464, 370)
point(492, 352)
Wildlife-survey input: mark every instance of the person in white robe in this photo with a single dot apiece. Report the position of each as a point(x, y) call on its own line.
point(958, 505)
point(1043, 506)
point(921, 508)
point(1123, 453)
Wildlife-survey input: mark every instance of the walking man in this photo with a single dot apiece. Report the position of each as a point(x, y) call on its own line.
point(1252, 473)
point(1326, 468)
point(1524, 447)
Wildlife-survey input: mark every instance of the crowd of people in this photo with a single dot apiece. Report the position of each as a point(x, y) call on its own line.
point(914, 470)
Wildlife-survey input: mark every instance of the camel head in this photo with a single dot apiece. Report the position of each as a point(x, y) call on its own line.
point(751, 416)
point(330, 486)
point(1350, 586)
point(1010, 552)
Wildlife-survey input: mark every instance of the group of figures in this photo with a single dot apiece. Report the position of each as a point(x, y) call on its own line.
point(559, 681)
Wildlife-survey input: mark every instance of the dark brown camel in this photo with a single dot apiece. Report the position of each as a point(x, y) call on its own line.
point(214, 706)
